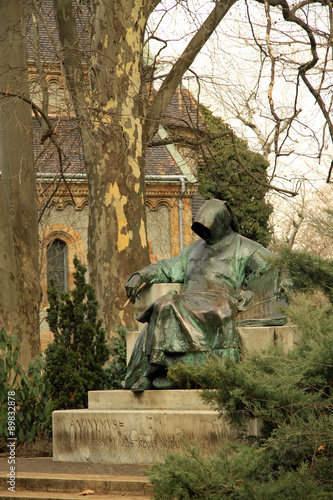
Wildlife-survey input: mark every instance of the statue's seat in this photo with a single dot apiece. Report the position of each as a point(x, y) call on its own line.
point(254, 336)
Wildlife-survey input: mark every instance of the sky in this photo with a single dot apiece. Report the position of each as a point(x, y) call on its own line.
point(235, 77)
point(229, 66)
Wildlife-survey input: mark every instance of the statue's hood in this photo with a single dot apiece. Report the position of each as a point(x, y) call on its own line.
point(214, 221)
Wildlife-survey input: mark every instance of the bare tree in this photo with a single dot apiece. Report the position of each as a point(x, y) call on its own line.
point(117, 122)
point(316, 232)
point(277, 84)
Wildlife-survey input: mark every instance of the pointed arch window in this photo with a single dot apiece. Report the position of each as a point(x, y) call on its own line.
point(56, 256)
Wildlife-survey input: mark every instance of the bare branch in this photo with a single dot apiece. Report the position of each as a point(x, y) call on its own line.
point(304, 68)
point(271, 83)
point(179, 138)
point(49, 134)
point(36, 47)
point(254, 177)
point(175, 75)
point(70, 53)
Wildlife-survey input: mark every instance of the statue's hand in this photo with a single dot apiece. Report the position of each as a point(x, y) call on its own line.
point(132, 287)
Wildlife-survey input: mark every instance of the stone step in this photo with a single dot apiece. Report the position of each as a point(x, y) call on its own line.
point(52, 485)
point(46, 495)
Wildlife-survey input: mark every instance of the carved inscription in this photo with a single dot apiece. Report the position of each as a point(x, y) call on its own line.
point(116, 433)
point(87, 431)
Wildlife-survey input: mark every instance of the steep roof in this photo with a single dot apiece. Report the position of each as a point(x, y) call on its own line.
point(159, 160)
point(48, 35)
point(183, 111)
point(46, 154)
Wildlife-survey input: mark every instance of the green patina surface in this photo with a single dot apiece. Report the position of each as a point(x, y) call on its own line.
point(225, 275)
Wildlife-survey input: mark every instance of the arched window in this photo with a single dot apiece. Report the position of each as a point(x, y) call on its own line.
point(159, 232)
point(56, 256)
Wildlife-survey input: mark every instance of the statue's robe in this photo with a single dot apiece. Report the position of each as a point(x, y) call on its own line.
point(215, 271)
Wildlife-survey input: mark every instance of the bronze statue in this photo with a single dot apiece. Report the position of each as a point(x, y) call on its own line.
point(221, 273)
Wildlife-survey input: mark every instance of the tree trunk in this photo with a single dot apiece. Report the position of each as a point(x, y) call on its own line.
point(116, 125)
point(20, 290)
point(110, 119)
point(116, 178)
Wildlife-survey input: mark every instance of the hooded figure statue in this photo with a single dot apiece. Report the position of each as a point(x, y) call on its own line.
point(186, 327)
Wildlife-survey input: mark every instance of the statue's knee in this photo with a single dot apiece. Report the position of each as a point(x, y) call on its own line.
point(226, 313)
point(165, 301)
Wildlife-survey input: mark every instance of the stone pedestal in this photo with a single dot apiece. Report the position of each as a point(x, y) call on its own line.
point(122, 427)
point(252, 338)
point(259, 338)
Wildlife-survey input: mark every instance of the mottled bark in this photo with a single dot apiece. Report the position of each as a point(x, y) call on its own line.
point(117, 223)
point(20, 291)
point(116, 124)
point(110, 119)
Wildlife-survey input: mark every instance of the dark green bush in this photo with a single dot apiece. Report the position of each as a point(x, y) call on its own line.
point(307, 272)
point(75, 360)
point(226, 173)
point(291, 394)
point(239, 472)
point(30, 392)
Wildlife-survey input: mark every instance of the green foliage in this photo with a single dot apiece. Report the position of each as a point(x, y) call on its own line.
point(74, 361)
point(291, 394)
point(308, 272)
point(190, 476)
point(29, 391)
point(238, 472)
point(116, 368)
point(221, 176)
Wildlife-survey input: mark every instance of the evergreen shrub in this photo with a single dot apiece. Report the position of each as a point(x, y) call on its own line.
point(307, 272)
point(75, 359)
point(292, 396)
point(25, 393)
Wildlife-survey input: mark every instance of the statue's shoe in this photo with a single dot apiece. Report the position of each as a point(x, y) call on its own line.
point(164, 383)
point(142, 384)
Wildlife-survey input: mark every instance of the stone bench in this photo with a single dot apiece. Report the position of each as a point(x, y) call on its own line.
point(252, 338)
